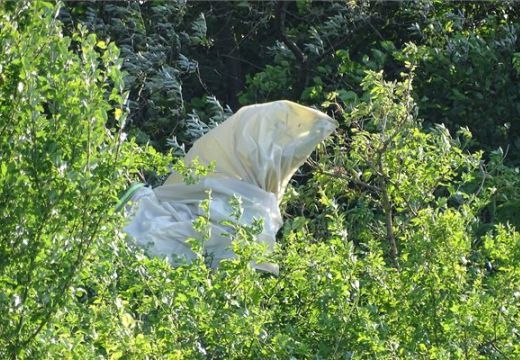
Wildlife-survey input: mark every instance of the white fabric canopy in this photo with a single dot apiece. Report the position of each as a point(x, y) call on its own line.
point(256, 151)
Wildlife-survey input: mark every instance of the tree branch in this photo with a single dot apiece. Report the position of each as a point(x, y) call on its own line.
point(280, 16)
point(389, 217)
point(303, 73)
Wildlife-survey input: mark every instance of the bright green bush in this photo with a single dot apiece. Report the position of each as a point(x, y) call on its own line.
point(61, 167)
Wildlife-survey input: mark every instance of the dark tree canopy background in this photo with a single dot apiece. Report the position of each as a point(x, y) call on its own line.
point(184, 59)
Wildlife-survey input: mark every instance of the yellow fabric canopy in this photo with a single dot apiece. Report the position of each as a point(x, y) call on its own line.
point(256, 151)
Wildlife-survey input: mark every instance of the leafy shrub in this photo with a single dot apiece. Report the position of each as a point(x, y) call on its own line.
point(61, 167)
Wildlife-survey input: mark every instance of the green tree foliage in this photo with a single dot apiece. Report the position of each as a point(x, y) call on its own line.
point(152, 36)
point(302, 50)
point(467, 74)
point(398, 240)
point(61, 167)
point(181, 58)
point(342, 292)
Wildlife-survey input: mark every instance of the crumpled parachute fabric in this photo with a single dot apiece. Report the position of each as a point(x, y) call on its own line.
point(256, 151)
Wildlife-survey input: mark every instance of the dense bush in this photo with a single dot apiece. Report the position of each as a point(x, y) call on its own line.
point(61, 166)
point(396, 242)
